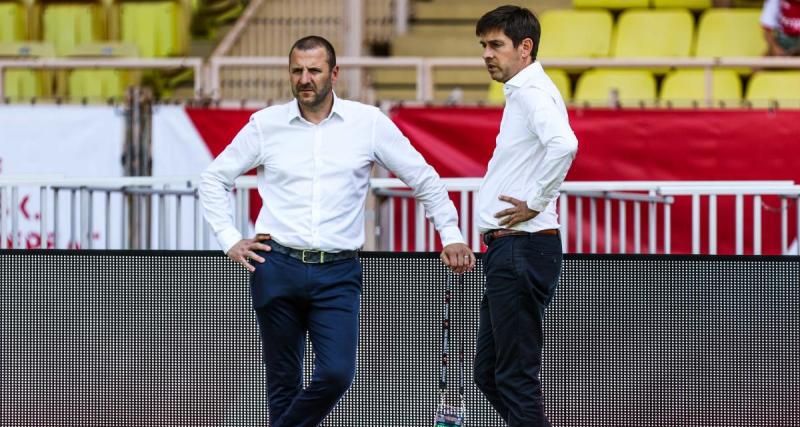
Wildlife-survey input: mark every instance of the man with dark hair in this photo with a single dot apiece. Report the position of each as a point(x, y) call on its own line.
point(314, 156)
point(517, 216)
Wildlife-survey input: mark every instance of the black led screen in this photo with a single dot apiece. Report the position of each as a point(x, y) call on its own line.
point(169, 339)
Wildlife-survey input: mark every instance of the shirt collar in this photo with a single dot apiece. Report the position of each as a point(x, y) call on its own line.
point(530, 73)
point(338, 108)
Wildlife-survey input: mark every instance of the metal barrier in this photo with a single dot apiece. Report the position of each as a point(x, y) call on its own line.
point(164, 213)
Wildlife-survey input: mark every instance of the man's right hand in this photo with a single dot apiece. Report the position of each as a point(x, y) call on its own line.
point(244, 251)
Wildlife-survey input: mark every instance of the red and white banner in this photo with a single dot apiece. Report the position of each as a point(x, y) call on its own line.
point(641, 145)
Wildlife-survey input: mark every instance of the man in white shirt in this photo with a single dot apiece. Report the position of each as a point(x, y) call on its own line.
point(313, 157)
point(517, 216)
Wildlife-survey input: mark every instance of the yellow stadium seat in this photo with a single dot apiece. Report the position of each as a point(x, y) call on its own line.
point(610, 4)
point(152, 27)
point(11, 23)
point(68, 25)
point(683, 4)
point(654, 33)
point(96, 85)
point(634, 88)
point(559, 77)
point(575, 33)
point(781, 87)
point(100, 85)
point(730, 32)
point(20, 84)
point(686, 88)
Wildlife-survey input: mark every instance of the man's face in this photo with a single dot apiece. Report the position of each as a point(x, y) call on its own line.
point(502, 59)
point(312, 78)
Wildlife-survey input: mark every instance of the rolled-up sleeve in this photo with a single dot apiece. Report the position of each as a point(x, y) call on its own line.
point(395, 152)
point(550, 122)
point(216, 182)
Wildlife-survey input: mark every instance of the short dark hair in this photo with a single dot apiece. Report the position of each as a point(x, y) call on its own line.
point(517, 23)
point(313, 42)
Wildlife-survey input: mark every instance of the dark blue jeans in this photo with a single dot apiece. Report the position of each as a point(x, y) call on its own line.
point(290, 299)
point(521, 278)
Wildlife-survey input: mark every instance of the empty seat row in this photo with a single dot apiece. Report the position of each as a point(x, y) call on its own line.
point(154, 27)
point(651, 33)
point(679, 88)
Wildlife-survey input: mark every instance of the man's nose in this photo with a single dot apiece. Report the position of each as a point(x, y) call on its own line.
point(487, 53)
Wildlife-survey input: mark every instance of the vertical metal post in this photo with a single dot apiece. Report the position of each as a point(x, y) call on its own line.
point(72, 217)
point(578, 224)
point(391, 224)
point(739, 224)
point(757, 225)
point(784, 225)
point(400, 17)
point(652, 236)
point(177, 221)
point(89, 215)
point(476, 235)
point(404, 224)
point(108, 220)
point(464, 214)
point(56, 221)
point(608, 224)
point(3, 203)
point(563, 217)
point(712, 224)
point(593, 224)
point(14, 212)
point(637, 227)
point(667, 228)
point(419, 228)
point(43, 217)
point(162, 222)
point(623, 225)
point(695, 224)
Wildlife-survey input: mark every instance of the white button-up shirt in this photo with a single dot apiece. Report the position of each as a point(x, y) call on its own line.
point(535, 148)
point(313, 179)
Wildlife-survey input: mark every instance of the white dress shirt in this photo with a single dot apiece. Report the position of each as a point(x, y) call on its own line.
point(535, 148)
point(313, 179)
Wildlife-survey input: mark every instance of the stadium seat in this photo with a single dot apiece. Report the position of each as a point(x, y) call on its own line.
point(634, 88)
point(104, 84)
point(559, 77)
point(11, 23)
point(654, 33)
point(682, 4)
point(575, 33)
point(686, 88)
point(68, 25)
point(781, 87)
point(610, 4)
point(22, 85)
point(153, 27)
point(730, 32)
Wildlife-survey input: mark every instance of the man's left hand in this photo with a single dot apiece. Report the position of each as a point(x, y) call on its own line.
point(458, 257)
point(512, 216)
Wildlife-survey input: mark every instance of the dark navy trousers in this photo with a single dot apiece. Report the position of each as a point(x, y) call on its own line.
point(291, 298)
point(521, 278)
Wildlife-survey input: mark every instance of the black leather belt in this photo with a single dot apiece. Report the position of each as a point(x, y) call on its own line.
point(309, 256)
point(493, 235)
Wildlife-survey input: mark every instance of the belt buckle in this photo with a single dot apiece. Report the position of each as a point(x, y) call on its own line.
point(307, 251)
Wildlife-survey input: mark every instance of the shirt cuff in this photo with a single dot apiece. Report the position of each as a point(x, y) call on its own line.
point(451, 234)
point(228, 237)
point(538, 204)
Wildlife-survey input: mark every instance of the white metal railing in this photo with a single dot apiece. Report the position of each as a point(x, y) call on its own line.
point(629, 196)
point(164, 213)
point(424, 67)
point(119, 63)
point(208, 82)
